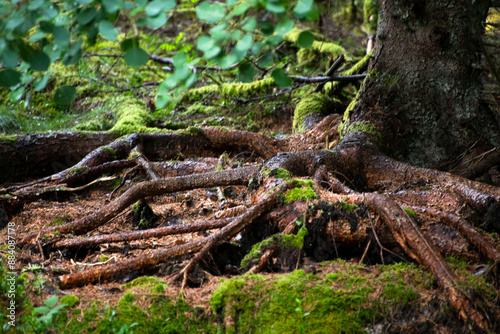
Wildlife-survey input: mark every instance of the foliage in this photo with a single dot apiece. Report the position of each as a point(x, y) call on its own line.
point(34, 34)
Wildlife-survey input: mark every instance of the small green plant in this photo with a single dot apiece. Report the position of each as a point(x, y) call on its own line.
point(39, 283)
point(42, 318)
point(123, 329)
point(301, 313)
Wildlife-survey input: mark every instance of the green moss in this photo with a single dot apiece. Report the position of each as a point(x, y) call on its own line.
point(356, 68)
point(143, 281)
point(308, 54)
point(304, 192)
point(347, 206)
point(133, 117)
point(78, 169)
point(8, 139)
point(230, 90)
point(281, 173)
point(136, 207)
point(370, 15)
point(314, 103)
point(70, 300)
point(365, 127)
point(110, 150)
point(399, 293)
point(279, 241)
point(134, 154)
point(61, 220)
point(410, 212)
point(346, 118)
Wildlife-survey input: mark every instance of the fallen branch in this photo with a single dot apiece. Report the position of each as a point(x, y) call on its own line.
point(233, 228)
point(143, 234)
point(88, 223)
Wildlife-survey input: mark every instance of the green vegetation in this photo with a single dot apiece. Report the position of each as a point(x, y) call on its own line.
point(304, 192)
point(345, 301)
point(277, 241)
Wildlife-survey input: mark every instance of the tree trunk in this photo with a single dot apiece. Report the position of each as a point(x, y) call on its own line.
point(422, 98)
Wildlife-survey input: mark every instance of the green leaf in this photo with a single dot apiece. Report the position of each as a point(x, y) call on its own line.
point(40, 83)
point(17, 94)
point(266, 28)
point(35, 4)
point(63, 96)
point(275, 7)
point(129, 43)
point(211, 53)
point(162, 101)
point(155, 22)
point(86, 15)
point(305, 39)
point(42, 309)
point(250, 24)
point(61, 36)
point(9, 77)
point(281, 78)
point(107, 30)
point(239, 10)
point(36, 36)
point(180, 59)
point(136, 56)
point(38, 60)
point(246, 72)
point(10, 58)
point(284, 27)
point(210, 13)
point(302, 8)
point(313, 14)
point(52, 300)
point(204, 43)
point(228, 60)
point(74, 53)
point(111, 6)
point(244, 44)
point(158, 6)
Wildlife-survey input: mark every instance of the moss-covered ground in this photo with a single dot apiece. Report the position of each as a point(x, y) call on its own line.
point(334, 297)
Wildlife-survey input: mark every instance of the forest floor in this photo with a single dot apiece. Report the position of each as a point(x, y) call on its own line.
point(354, 295)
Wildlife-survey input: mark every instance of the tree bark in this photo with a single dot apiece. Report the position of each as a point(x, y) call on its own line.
point(423, 90)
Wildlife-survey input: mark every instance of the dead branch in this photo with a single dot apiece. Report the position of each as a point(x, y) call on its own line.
point(238, 176)
point(233, 228)
point(144, 234)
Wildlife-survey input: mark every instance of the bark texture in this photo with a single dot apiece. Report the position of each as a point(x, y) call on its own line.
point(421, 99)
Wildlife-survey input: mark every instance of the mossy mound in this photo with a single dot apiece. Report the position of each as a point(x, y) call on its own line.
point(349, 299)
point(314, 103)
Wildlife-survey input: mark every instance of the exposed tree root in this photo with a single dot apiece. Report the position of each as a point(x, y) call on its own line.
point(354, 171)
point(144, 234)
point(149, 188)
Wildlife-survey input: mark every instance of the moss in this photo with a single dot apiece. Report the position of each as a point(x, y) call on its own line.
point(70, 300)
point(347, 206)
point(330, 87)
point(230, 90)
point(279, 241)
point(281, 173)
point(136, 207)
point(8, 139)
point(314, 103)
point(304, 192)
point(133, 155)
point(78, 169)
point(111, 151)
point(346, 118)
point(61, 220)
point(399, 293)
point(143, 281)
point(308, 54)
point(410, 212)
point(365, 127)
point(133, 117)
point(370, 15)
